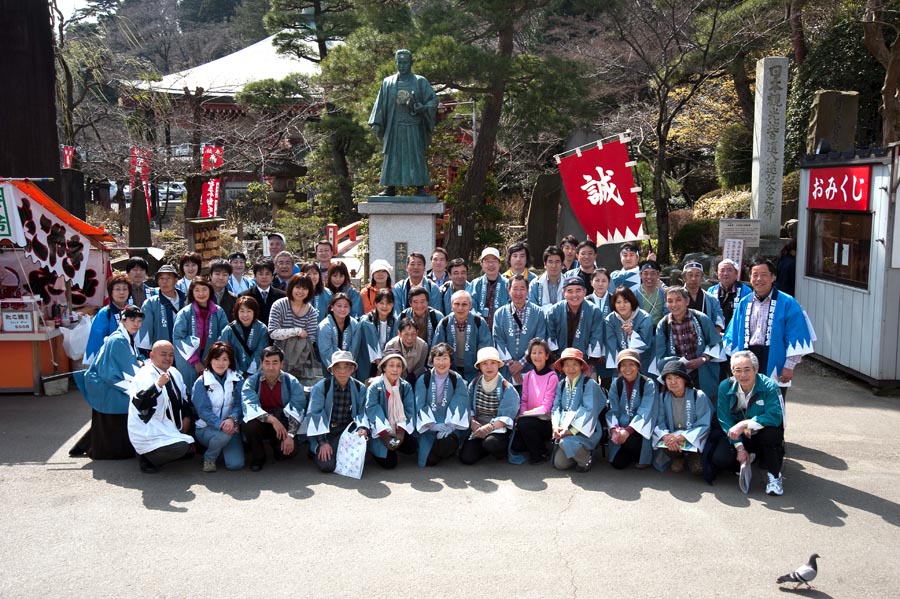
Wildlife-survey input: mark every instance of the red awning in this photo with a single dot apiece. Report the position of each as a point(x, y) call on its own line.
point(96, 234)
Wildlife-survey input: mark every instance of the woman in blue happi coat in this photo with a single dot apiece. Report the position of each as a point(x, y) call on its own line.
point(105, 387)
point(575, 413)
point(632, 407)
point(442, 408)
point(247, 335)
point(378, 326)
point(681, 426)
point(601, 297)
point(106, 321)
point(197, 326)
point(337, 280)
point(390, 410)
point(340, 331)
point(628, 326)
point(493, 405)
point(322, 294)
point(475, 331)
point(515, 324)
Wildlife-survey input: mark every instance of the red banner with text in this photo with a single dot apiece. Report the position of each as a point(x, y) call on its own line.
point(840, 188)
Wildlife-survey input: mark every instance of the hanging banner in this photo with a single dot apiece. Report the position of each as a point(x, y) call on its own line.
point(840, 188)
point(601, 190)
point(213, 157)
point(20, 277)
point(209, 202)
point(10, 224)
point(68, 155)
point(140, 164)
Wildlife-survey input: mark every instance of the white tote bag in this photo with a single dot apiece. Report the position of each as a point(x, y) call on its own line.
point(351, 453)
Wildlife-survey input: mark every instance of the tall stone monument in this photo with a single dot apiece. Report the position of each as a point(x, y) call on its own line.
point(833, 117)
point(403, 119)
point(768, 144)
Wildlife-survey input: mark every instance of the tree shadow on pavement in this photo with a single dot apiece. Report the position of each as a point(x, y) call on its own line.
point(816, 456)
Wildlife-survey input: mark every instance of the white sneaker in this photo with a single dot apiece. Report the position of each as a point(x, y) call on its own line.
point(775, 486)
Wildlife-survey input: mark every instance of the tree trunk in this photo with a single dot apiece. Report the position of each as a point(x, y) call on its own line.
point(461, 235)
point(889, 58)
point(341, 169)
point(798, 35)
point(746, 102)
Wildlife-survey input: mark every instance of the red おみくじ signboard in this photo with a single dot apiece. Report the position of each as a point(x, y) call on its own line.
point(601, 190)
point(840, 188)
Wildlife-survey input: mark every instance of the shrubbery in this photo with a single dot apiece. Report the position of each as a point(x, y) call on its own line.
point(734, 157)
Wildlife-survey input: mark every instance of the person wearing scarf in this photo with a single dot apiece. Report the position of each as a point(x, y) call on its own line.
point(197, 326)
point(390, 410)
point(632, 407)
point(533, 427)
point(682, 424)
point(493, 405)
point(442, 408)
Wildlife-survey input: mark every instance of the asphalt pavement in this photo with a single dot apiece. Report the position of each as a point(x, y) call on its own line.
point(79, 528)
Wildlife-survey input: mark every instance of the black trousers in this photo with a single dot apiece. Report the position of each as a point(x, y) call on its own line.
point(332, 438)
point(442, 449)
point(107, 439)
point(259, 433)
point(532, 436)
point(768, 444)
point(629, 451)
point(167, 453)
point(495, 444)
point(409, 446)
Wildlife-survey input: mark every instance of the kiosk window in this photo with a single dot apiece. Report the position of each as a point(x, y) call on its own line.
point(839, 245)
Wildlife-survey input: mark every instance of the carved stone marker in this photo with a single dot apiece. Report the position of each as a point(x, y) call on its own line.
point(768, 143)
point(833, 117)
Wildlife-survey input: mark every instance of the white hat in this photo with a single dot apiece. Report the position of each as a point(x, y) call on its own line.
point(387, 357)
point(489, 251)
point(488, 353)
point(342, 356)
point(380, 264)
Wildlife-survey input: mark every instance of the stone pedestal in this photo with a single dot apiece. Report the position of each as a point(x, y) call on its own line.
point(400, 225)
point(768, 144)
point(833, 117)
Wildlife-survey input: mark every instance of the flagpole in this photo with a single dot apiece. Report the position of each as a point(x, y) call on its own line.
point(637, 180)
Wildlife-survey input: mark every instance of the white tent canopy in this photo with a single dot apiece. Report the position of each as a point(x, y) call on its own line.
point(228, 75)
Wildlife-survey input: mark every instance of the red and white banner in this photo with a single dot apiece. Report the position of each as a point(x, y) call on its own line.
point(840, 188)
point(600, 185)
point(68, 155)
point(140, 164)
point(209, 203)
point(213, 158)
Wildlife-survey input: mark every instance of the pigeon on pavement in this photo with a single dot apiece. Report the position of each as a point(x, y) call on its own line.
point(802, 575)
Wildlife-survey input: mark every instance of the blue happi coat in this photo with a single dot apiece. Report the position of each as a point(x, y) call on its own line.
point(789, 332)
point(507, 410)
point(577, 408)
point(478, 335)
point(602, 370)
point(538, 291)
point(377, 410)
point(450, 412)
point(713, 309)
point(248, 362)
point(479, 294)
point(401, 294)
point(432, 319)
point(630, 278)
point(109, 376)
point(446, 293)
point(104, 324)
point(511, 337)
point(159, 320)
point(321, 302)
point(588, 335)
point(371, 338)
point(318, 419)
point(637, 410)
point(698, 417)
point(186, 339)
point(293, 397)
point(641, 339)
point(709, 344)
point(352, 341)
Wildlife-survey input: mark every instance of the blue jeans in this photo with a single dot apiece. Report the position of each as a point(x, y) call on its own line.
point(230, 446)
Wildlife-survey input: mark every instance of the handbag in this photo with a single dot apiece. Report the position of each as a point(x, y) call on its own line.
point(351, 453)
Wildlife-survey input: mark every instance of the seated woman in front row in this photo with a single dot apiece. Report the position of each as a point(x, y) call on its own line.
point(390, 410)
point(442, 408)
point(576, 411)
point(533, 427)
point(632, 405)
point(493, 404)
point(683, 416)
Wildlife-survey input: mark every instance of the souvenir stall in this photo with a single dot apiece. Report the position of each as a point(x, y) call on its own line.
point(848, 261)
point(53, 267)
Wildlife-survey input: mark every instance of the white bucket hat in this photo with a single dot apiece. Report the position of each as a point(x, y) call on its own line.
point(489, 251)
point(486, 354)
point(381, 264)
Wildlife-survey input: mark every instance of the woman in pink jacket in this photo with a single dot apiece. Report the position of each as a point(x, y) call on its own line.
point(533, 429)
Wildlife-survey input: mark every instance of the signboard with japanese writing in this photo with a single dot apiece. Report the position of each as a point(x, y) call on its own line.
point(212, 157)
point(10, 225)
point(401, 253)
point(209, 201)
point(840, 188)
point(733, 249)
point(746, 229)
point(601, 190)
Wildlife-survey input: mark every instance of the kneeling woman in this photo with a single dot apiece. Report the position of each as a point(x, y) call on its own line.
point(533, 427)
point(390, 410)
point(442, 408)
point(576, 412)
point(217, 399)
point(493, 404)
point(682, 421)
point(632, 405)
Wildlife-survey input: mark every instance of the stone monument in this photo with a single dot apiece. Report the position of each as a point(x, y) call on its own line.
point(833, 117)
point(768, 144)
point(403, 118)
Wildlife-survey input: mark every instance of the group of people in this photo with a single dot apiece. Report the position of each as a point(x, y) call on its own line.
point(526, 367)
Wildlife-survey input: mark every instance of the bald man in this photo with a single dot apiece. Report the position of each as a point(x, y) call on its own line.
point(159, 414)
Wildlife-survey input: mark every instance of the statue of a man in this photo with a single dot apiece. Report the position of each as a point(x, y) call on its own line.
point(403, 119)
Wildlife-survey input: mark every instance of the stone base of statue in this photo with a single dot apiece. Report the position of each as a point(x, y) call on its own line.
point(398, 226)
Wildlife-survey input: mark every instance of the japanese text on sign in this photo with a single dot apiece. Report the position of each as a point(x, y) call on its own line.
point(746, 229)
point(840, 188)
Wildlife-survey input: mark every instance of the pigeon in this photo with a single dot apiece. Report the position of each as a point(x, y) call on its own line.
point(802, 575)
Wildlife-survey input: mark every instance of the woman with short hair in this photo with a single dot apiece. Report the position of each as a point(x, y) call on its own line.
point(217, 398)
point(190, 265)
point(378, 326)
point(442, 407)
point(390, 410)
point(293, 325)
point(197, 326)
point(247, 335)
point(339, 331)
point(533, 427)
point(628, 326)
point(575, 414)
point(321, 295)
point(493, 404)
point(632, 406)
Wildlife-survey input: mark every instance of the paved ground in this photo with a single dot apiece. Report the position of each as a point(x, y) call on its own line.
point(77, 528)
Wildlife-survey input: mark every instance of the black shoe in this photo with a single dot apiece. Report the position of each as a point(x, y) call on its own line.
point(147, 466)
point(388, 192)
point(256, 467)
point(585, 468)
point(539, 460)
point(75, 452)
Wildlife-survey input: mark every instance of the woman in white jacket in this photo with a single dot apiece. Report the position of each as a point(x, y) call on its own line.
point(217, 399)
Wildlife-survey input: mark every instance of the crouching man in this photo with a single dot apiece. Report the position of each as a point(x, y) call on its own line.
point(159, 414)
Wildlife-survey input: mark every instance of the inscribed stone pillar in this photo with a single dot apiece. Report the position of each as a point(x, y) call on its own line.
point(399, 226)
point(768, 143)
point(833, 117)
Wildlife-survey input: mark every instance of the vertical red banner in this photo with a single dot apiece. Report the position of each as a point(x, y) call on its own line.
point(209, 203)
point(68, 155)
point(601, 190)
point(213, 158)
point(140, 165)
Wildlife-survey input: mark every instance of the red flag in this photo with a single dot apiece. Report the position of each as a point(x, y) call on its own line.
point(209, 203)
point(213, 157)
point(68, 154)
point(602, 193)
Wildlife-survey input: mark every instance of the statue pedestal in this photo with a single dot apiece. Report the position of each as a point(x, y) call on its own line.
point(398, 226)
